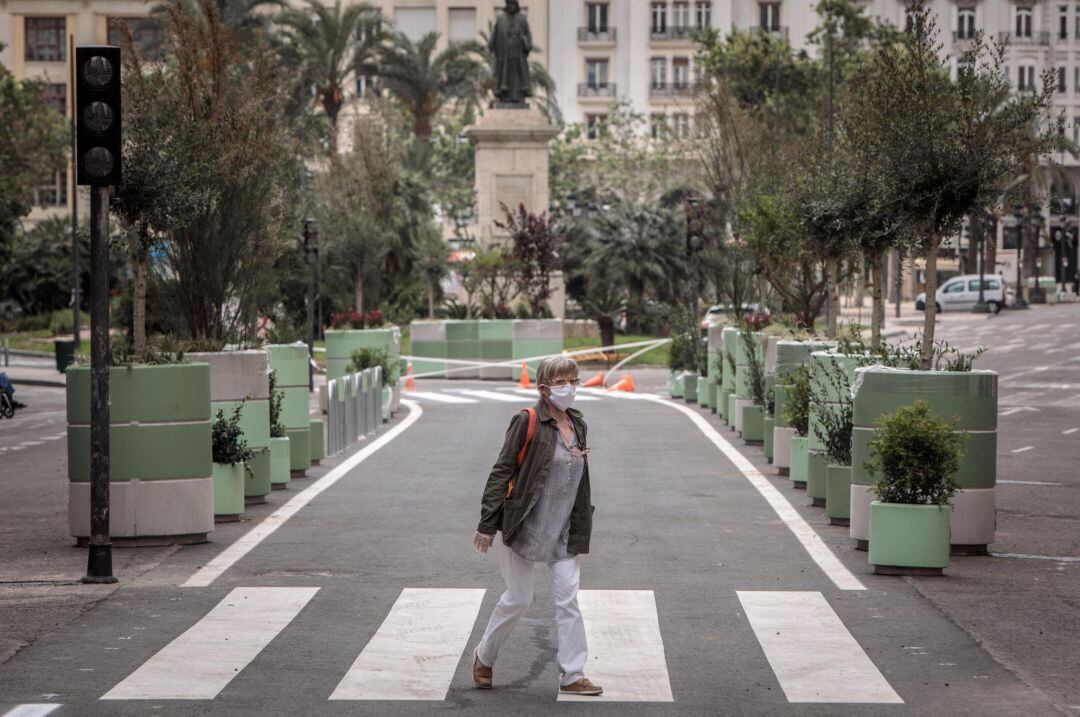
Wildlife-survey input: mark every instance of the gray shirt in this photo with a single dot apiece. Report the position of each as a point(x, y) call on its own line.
point(546, 529)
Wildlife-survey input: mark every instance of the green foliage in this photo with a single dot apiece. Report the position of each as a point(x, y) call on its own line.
point(834, 418)
point(160, 351)
point(227, 438)
point(917, 456)
point(536, 240)
point(277, 429)
point(755, 367)
point(907, 353)
point(799, 393)
point(366, 358)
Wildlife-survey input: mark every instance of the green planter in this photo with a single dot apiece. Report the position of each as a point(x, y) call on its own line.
point(768, 438)
point(730, 418)
point(690, 386)
point(160, 473)
point(228, 492)
point(675, 384)
point(816, 477)
point(969, 396)
point(257, 477)
point(318, 440)
point(799, 461)
point(340, 345)
point(290, 361)
point(753, 424)
point(781, 448)
point(838, 494)
point(723, 397)
point(279, 463)
point(709, 399)
point(909, 539)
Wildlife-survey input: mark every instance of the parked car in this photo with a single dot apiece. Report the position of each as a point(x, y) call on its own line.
point(717, 312)
point(960, 293)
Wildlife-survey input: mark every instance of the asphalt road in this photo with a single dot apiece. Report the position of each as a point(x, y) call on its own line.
point(710, 589)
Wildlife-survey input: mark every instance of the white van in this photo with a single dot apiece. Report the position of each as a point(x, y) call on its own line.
point(961, 292)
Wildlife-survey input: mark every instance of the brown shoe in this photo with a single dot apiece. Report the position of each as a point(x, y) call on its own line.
point(582, 687)
point(481, 673)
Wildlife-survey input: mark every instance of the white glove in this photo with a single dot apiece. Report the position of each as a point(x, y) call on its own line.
point(481, 542)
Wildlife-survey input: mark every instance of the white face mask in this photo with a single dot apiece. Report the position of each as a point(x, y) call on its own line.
point(562, 397)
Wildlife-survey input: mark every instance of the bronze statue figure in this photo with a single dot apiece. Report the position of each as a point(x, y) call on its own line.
point(511, 43)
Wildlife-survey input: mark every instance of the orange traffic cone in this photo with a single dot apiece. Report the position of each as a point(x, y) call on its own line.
point(410, 382)
point(524, 383)
point(597, 380)
point(626, 383)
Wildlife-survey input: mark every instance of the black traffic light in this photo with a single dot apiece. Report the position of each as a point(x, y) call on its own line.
point(97, 85)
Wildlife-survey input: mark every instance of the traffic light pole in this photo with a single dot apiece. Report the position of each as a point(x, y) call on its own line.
point(99, 561)
point(76, 287)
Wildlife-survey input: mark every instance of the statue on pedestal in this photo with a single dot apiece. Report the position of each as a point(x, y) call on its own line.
point(511, 43)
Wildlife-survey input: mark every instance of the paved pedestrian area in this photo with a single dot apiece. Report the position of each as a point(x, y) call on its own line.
point(710, 589)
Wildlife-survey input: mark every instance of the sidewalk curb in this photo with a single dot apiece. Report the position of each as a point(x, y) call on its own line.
point(57, 383)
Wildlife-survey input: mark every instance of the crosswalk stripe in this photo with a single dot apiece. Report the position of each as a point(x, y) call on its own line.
point(32, 710)
point(439, 397)
point(814, 657)
point(414, 653)
point(626, 651)
point(493, 395)
point(200, 663)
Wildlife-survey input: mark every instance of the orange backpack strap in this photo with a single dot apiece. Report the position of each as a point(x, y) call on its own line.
point(529, 433)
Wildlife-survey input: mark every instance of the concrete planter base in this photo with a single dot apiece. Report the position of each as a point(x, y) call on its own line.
point(753, 418)
point(723, 396)
point(972, 521)
point(731, 412)
point(318, 441)
point(909, 537)
point(228, 492)
point(299, 450)
point(279, 463)
point(690, 387)
point(738, 404)
point(838, 494)
point(257, 480)
point(781, 446)
point(709, 398)
point(675, 384)
point(768, 436)
point(148, 512)
point(817, 477)
point(799, 461)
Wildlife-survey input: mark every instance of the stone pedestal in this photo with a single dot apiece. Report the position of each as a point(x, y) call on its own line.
point(512, 169)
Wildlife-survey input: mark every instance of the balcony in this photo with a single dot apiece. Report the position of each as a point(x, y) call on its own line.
point(596, 89)
point(684, 32)
point(596, 36)
point(672, 89)
point(1035, 38)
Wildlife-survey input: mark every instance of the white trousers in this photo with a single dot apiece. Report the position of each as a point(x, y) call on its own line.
point(518, 574)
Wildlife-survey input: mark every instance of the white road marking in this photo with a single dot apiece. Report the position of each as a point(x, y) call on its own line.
point(201, 662)
point(1037, 327)
point(626, 651)
point(32, 710)
point(1070, 401)
point(1021, 398)
point(532, 393)
point(1024, 556)
point(1046, 386)
point(815, 547)
point(1022, 450)
point(1011, 411)
point(438, 397)
point(493, 395)
point(1028, 482)
point(1068, 431)
point(30, 443)
point(813, 655)
point(415, 651)
point(242, 546)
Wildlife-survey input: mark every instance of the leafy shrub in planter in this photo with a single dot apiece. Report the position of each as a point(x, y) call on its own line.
point(917, 456)
point(834, 421)
point(799, 393)
point(277, 429)
point(366, 358)
point(756, 368)
point(227, 439)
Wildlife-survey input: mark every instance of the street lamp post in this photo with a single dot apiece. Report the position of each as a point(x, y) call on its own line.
point(1021, 221)
point(1037, 221)
point(311, 251)
point(981, 307)
point(693, 248)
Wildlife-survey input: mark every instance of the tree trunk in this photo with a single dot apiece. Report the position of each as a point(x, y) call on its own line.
point(468, 304)
point(972, 262)
point(607, 329)
point(990, 249)
point(930, 308)
point(1030, 252)
point(358, 291)
point(431, 301)
point(832, 270)
point(877, 305)
point(139, 268)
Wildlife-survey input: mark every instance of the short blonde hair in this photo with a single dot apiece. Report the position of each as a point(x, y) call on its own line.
point(554, 366)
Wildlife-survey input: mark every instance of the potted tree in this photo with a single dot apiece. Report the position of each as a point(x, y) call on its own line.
point(752, 421)
point(279, 439)
point(231, 454)
point(366, 358)
point(797, 415)
point(833, 425)
point(917, 456)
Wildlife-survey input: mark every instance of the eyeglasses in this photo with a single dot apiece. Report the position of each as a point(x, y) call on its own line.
point(564, 382)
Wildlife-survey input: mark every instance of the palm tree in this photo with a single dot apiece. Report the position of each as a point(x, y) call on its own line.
point(329, 44)
point(424, 82)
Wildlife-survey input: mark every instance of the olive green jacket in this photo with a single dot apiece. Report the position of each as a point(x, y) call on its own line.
point(506, 513)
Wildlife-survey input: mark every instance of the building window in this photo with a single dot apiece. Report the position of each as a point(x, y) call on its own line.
point(56, 95)
point(147, 35)
point(680, 125)
point(596, 74)
point(770, 16)
point(965, 23)
point(1076, 130)
point(367, 86)
point(658, 73)
point(594, 125)
point(1076, 23)
point(703, 9)
point(1023, 22)
point(415, 22)
point(680, 72)
point(659, 18)
point(53, 193)
point(1076, 79)
point(597, 13)
point(680, 17)
point(909, 20)
point(1063, 22)
point(1061, 80)
point(657, 126)
point(1026, 78)
point(45, 39)
point(462, 26)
